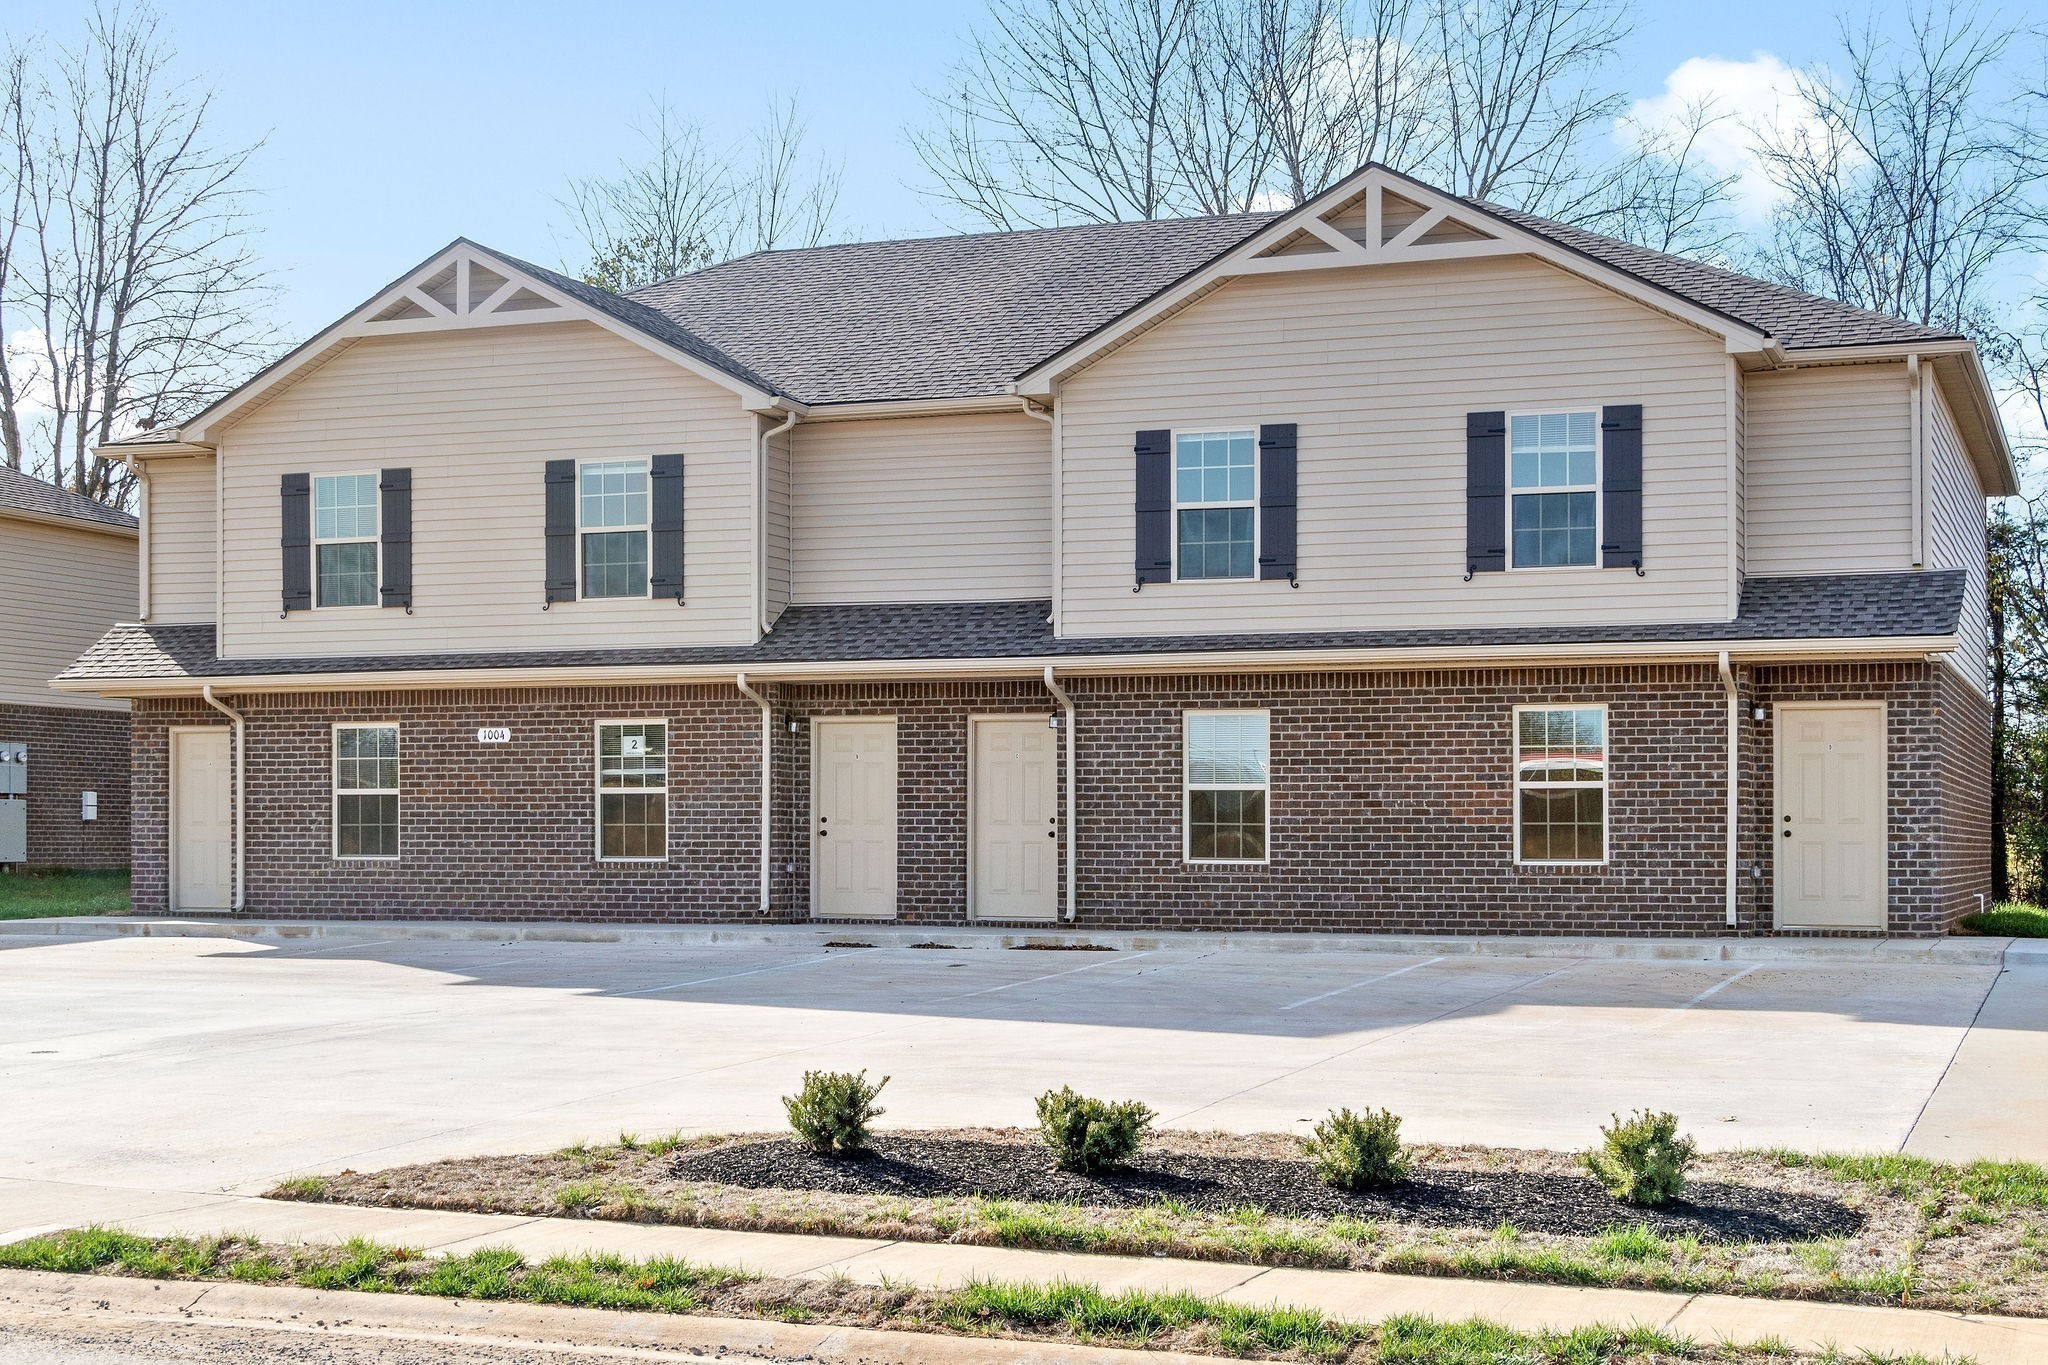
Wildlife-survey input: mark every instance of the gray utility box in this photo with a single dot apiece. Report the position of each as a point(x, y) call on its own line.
point(13, 830)
point(13, 769)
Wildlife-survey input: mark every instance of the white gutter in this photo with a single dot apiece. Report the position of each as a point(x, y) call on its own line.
point(1073, 795)
point(760, 518)
point(241, 767)
point(1734, 777)
point(767, 780)
point(1052, 419)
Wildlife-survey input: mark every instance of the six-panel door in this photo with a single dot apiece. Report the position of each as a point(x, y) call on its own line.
point(1830, 820)
point(1016, 820)
point(202, 820)
point(853, 817)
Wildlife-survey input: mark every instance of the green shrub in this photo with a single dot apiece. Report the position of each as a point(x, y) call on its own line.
point(1357, 1151)
point(1088, 1134)
point(832, 1111)
point(1642, 1158)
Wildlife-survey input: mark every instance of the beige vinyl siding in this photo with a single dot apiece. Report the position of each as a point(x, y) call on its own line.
point(65, 589)
point(1830, 453)
point(475, 415)
point(1378, 367)
point(778, 509)
point(182, 542)
point(924, 509)
point(1958, 540)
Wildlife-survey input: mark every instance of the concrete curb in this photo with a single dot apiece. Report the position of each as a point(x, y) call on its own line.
point(1945, 951)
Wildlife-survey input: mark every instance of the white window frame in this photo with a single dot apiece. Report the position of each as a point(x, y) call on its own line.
point(336, 791)
point(1173, 468)
point(374, 539)
point(1187, 788)
point(1606, 767)
point(646, 527)
point(1599, 481)
point(599, 790)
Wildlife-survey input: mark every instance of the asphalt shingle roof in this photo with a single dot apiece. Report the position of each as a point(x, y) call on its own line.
point(24, 494)
point(1836, 606)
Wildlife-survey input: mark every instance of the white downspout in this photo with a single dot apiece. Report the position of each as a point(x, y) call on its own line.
point(241, 767)
point(767, 776)
point(1916, 386)
point(763, 435)
point(1052, 419)
point(141, 469)
point(1073, 797)
point(1734, 777)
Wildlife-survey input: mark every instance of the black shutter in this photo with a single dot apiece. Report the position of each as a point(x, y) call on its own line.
point(394, 516)
point(1621, 486)
point(1154, 513)
point(1486, 492)
point(561, 491)
point(1276, 501)
point(295, 506)
point(665, 527)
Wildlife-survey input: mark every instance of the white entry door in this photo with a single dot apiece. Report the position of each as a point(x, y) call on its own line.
point(1831, 820)
point(1016, 820)
point(202, 820)
point(853, 817)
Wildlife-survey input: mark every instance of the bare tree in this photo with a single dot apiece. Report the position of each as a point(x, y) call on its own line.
point(1914, 176)
point(787, 199)
point(1664, 195)
point(130, 263)
point(1064, 111)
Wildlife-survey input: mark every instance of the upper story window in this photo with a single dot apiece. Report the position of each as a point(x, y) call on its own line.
point(1554, 489)
point(612, 506)
point(1215, 502)
point(345, 540)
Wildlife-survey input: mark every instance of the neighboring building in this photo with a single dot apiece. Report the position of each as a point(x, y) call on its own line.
point(67, 575)
point(1392, 563)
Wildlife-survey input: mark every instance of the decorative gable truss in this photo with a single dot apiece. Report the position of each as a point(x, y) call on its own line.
point(466, 290)
point(1375, 226)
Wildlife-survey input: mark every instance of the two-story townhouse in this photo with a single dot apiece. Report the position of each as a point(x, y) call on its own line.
point(67, 576)
point(1394, 562)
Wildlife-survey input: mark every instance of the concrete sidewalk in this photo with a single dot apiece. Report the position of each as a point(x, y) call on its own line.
point(28, 1207)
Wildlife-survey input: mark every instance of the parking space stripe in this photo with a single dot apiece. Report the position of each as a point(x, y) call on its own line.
point(1033, 980)
point(734, 976)
point(1383, 976)
point(1717, 988)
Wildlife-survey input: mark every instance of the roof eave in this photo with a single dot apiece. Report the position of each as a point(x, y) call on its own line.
point(1991, 450)
point(1219, 661)
point(68, 523)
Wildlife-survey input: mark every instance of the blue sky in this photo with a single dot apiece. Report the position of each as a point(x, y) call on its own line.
point(392, 128)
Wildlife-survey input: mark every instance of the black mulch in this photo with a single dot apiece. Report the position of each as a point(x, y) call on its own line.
point(1563, 1205)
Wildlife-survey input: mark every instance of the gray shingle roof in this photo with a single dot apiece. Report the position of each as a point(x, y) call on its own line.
point(1837, 606)
point(23, 494)
point(1796, 319)
point(934, 317)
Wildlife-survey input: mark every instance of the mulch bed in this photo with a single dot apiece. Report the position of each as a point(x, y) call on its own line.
point(1531, 1201)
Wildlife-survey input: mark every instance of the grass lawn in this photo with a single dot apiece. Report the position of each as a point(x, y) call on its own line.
point(2010, 919)
point(1057, 1312)
point(31, 895)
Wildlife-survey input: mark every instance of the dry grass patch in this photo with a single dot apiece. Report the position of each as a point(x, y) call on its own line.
point(1932, 1235)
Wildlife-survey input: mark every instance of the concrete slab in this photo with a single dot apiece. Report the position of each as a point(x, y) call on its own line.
point(1889, 1332)
point(274, 1221)
point(944, 1266)
point(1360, 1296)
point(1993, 1099)
point(764, 1253)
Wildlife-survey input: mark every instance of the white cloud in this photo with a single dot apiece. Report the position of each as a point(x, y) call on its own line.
point(33, 395)
point(1749, 96)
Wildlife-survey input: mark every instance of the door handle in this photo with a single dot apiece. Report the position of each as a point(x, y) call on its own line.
point(1788, 834)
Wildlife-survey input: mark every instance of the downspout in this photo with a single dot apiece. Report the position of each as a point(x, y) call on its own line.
point(241, 767)
point(1052, 419)
point(760, 500)
point(1734, 776)
point(767, 776)
point(141, 468)
point(1073, 798)
point(1916, 386)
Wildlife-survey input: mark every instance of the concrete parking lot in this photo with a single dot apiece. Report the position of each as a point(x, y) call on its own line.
point(197, 1064)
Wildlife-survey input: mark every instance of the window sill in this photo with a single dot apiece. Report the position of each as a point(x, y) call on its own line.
point(630, 862)
point(365, 858)
point(1226, 862)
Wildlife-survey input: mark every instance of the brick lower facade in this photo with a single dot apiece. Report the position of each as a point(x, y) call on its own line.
point(1391, 801)
point(73, 750)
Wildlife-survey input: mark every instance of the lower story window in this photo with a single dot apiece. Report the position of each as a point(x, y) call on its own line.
point(1225, 777)
point(632, 790)
point(1560, 784)
point(366, 791)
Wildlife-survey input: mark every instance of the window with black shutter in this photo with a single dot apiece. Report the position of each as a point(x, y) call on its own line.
point(394, 490)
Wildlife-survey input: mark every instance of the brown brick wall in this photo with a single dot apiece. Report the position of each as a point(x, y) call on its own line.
point(1391, 804)
point(72, 750)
